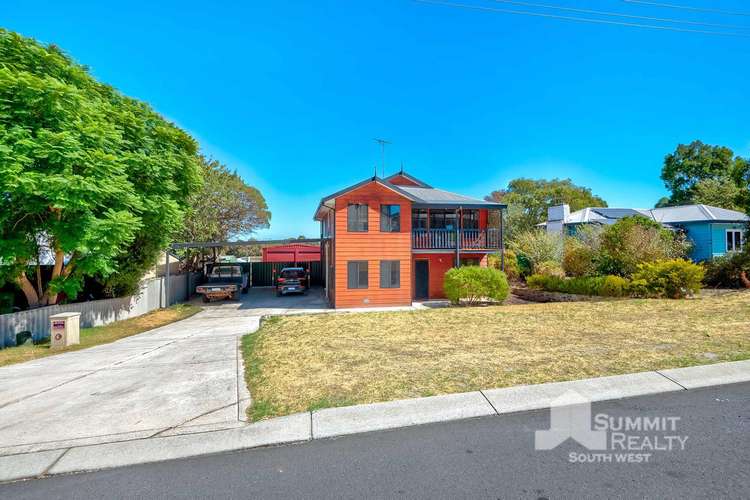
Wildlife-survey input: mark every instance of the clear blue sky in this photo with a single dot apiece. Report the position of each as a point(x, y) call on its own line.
point(291, 94)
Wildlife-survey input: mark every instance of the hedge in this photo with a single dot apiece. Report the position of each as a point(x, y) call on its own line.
point(673, 279)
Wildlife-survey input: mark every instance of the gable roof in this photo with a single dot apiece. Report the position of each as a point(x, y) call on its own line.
point(423, 195)
point(664, 215)
point(407, 176)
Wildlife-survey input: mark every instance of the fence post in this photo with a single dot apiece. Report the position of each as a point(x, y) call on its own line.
point(166, 282)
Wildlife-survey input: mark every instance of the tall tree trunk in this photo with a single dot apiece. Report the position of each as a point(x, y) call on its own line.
point(50, 298)
point(28, 290)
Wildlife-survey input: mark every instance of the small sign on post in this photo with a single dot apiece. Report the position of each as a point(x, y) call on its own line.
point(64, 329)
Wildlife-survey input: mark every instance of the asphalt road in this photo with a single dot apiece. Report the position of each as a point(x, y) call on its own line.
point(491, 457)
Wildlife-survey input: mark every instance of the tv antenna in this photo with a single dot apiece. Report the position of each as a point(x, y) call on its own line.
point(382, 143)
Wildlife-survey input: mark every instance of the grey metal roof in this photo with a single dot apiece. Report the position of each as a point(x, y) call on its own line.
point(665, 215)
point(418, 195)
point(432, 196)
point(697, 213)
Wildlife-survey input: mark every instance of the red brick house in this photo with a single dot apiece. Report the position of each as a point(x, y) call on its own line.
point(388, 242)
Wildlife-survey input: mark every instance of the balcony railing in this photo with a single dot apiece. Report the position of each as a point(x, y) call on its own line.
point(445, 239)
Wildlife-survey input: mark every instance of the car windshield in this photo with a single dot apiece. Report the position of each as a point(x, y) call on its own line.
point(225, 272)
point(292, 274)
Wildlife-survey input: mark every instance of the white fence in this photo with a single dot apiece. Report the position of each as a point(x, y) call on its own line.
point(99, 312)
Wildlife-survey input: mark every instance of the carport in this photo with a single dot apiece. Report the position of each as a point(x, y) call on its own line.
point(263, 271)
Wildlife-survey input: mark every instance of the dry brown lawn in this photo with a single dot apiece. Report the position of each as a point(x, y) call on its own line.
point(297, 363)
point(101, 334)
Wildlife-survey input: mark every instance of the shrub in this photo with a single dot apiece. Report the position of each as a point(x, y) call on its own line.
point(580, 286)
point(549, 268)
point(512, 271)
point(727, 271)
point(579, 259)
point(614, 286)
point(474, 283)
point(524, 265)
point(537, 246)
point(635, 240)
point(673, 279)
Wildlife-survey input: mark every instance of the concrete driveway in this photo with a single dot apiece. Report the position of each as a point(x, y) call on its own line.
point(183, 377)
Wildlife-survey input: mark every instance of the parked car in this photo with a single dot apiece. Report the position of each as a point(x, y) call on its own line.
point(225, 281)
point(292, 280)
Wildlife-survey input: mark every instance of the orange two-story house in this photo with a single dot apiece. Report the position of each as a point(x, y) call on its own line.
point(388, 242)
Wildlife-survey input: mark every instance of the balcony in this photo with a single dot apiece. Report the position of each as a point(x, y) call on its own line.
point(445, 239)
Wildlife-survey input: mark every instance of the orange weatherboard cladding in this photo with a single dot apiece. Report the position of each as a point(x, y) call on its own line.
point(372, 246)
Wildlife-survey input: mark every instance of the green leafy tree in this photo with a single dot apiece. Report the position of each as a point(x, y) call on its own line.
point(90, 180)
point(702, 173)
point(529, 199)
point(224, 208)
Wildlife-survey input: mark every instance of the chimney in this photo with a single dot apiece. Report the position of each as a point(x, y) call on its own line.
point(556, 217)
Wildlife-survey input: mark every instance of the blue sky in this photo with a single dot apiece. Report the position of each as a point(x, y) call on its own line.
point(292, 93)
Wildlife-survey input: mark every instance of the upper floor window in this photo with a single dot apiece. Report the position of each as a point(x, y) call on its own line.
point(356, 217)
point(734, 240)
point(470, 219)
point(419, 218)
point(442, 219)
point(390, 218)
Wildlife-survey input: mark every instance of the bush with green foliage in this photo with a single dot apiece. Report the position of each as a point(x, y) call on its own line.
point(512, 271)
point(635, 240)
point(614, 286)
point(537, 246)
point(579, 259)
point(729, 271)
point(473, 284)
point(670, 279)
point(674, 279)
point(549, 268)
point(584, 285)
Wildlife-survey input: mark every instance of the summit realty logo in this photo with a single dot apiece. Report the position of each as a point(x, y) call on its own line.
point(616, 438)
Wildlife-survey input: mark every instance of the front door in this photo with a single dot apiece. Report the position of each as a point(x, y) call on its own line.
point(421, 279)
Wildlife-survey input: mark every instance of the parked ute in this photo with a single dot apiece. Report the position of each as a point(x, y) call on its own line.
point(225, 281)
point(292, 280)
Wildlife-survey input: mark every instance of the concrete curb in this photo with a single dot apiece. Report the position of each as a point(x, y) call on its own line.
point(333, 422)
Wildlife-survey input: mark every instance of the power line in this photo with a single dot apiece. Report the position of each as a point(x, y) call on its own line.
point(690, 7)
point(581, 19)
point(618, 14)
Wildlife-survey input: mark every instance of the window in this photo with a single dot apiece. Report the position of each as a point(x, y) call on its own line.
point(390, 274)
point(356, 271)
point(419, 218)
point(734, 240)
point(442, 219)
point(356, 218)
point(390, 218)
point(470, 219)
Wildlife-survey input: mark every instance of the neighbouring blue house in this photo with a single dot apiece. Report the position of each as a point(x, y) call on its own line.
point(713, 231)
